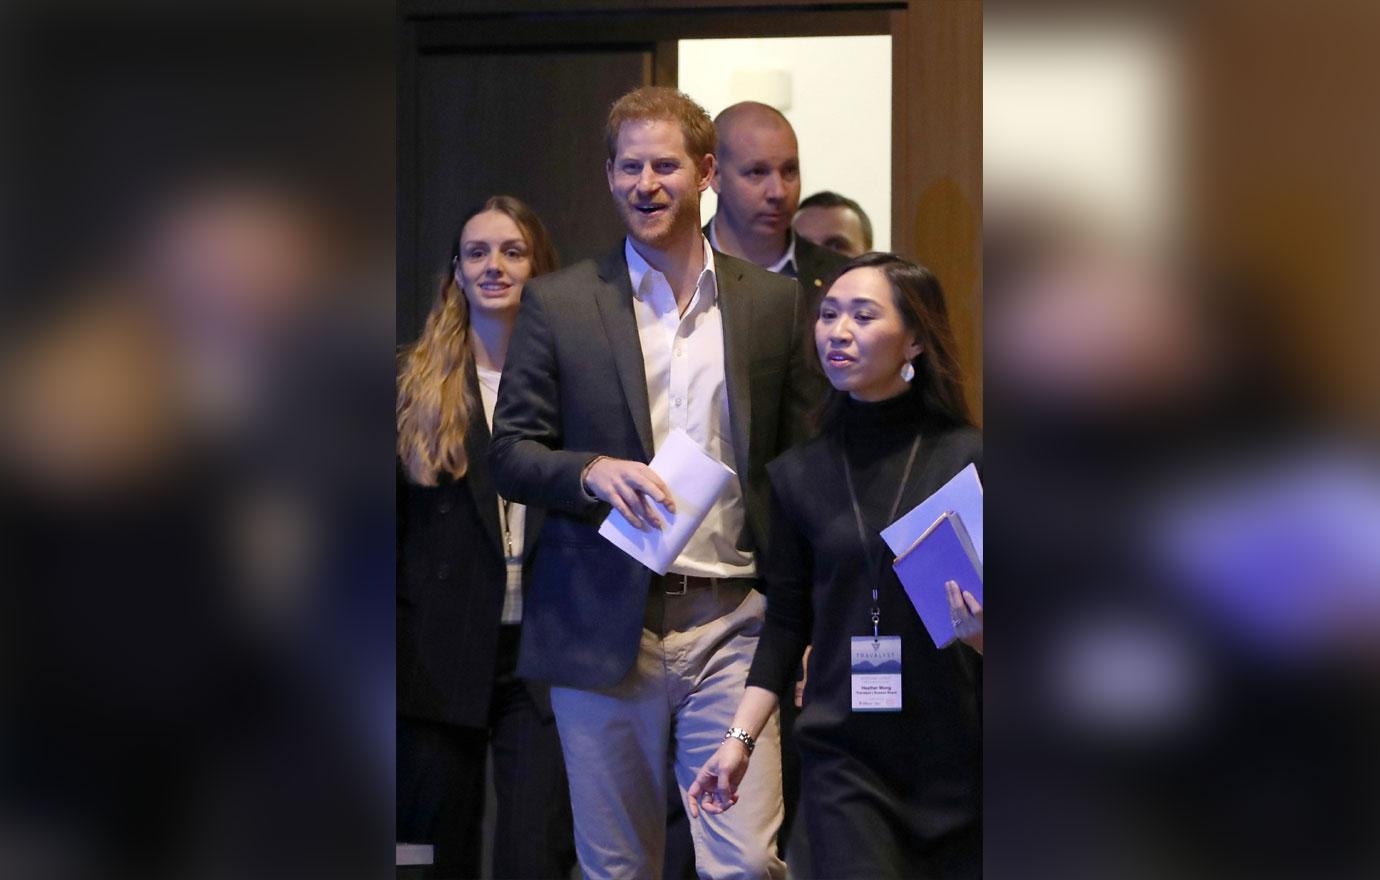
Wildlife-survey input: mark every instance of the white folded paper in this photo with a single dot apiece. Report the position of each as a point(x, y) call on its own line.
point(696, 480)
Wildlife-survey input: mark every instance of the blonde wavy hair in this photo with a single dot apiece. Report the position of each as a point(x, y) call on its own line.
point(434, 405)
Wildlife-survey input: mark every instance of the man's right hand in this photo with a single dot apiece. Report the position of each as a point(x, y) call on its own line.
point(631, 487)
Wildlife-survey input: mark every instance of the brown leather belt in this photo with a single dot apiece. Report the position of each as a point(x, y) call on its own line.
point(679, 602)
point(680, 584)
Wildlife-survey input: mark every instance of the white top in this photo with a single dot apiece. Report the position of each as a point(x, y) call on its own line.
point(513, 524)
point(784, 266)
point(683, 357)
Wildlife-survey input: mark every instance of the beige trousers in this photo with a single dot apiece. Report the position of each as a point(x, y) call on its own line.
point(668, 716)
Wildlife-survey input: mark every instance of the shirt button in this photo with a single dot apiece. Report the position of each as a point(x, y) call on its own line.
point(680, 400)
point(680, 352)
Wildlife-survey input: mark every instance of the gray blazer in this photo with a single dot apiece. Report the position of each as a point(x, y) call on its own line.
point(574, 387)
point(814, 267)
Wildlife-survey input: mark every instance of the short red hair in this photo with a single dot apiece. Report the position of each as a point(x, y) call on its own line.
point(662, 103)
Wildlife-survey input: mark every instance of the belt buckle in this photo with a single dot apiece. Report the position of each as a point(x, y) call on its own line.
point(684, 585)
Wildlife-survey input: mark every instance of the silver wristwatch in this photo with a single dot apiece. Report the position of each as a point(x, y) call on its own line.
point(743, 737)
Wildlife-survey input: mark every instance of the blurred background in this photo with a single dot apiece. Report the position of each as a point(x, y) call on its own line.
point(1176, 289)
point(1181, 411)
point(196, 388)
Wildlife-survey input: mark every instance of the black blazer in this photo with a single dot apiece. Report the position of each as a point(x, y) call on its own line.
point(814, 266)
point(575, 387)
point(450, 586)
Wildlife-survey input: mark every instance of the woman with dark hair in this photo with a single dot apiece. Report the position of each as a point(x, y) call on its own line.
point(462, 554)
point(885, 794)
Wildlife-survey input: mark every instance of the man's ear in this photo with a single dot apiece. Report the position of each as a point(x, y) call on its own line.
point(608, 172)
point(708, 171)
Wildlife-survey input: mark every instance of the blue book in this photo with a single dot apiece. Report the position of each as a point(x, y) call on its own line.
point(962, 494)
point(944, 552)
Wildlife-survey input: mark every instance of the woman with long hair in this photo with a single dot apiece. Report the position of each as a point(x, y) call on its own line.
point(885, 794)
point(462, 554)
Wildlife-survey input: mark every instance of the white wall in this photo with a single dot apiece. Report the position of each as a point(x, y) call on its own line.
point(838, 97)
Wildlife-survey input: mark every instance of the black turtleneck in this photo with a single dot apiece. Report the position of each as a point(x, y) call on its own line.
point(819, 578)
point(919, 769)
point(877, 438)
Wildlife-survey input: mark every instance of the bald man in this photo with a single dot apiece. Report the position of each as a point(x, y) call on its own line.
point(757, 179)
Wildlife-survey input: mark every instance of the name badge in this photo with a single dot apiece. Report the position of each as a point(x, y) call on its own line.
point(876, 674)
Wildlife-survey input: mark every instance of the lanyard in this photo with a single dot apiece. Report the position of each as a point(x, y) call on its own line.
point(869, 553)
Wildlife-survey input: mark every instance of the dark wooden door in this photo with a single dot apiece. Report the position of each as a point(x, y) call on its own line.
point(526, 122)
point(567, 60)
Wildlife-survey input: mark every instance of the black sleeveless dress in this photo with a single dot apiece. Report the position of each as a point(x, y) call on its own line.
point(883, 794)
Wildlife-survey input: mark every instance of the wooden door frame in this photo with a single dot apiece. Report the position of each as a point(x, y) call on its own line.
point(936, 191)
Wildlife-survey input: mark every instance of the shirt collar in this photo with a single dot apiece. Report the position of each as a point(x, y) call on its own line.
point(787, 260)
point(780, 266)
point(640, 271)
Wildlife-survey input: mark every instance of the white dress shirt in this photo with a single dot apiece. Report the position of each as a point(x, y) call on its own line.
point(512, 518)
point(683, 356)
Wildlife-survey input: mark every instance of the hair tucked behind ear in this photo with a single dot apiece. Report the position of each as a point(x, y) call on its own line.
point(434, 405)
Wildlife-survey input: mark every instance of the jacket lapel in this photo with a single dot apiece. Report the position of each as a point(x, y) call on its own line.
point(735, 308)
point(615, 301)
point(477, 478)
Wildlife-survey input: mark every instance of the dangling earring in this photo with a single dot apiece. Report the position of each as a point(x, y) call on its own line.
point(907, 372)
